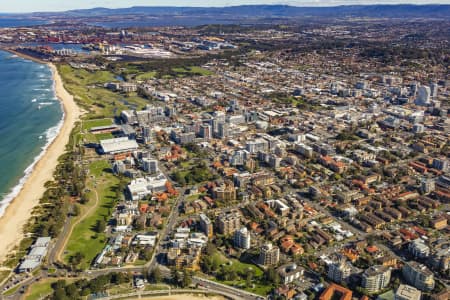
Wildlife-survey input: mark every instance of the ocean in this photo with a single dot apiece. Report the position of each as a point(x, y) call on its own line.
point(30, 118)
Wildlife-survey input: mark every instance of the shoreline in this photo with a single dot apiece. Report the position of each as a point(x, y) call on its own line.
point(19, 210)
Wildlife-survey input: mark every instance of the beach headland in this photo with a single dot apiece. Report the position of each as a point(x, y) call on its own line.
point(19, 210)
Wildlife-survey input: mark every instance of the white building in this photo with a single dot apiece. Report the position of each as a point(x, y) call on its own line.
point(142, 187)
point(376, 278)
point(407, 292)
point(242, 238)
point(418, 248)
point(423, 96)
point(118, 145)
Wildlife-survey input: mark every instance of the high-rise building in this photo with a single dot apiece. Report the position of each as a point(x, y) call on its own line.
point(440, 164)
point(423, 96)
point(434, 89)
point(376, 278)
point(418, 276)
point(428, 185)
point(227, 223)
point(205, 131)
point(150, 165)
point(406, 292)
point(206, 225)
point(223, 130)
point(257, 145)
point(339, 271)
point(225, 191)
point(147, 134)
point(269, 255)
point(242, 238)
point(418, 248)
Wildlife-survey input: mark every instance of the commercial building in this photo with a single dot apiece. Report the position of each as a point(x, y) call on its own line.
point(418, 276)
point(242, 238)
point(142, 187)
point(118, 145)
point(423, 96)
point(150, 165)
point(407, 292)
point(35, 256)
point(269, 255)
point(376, 278)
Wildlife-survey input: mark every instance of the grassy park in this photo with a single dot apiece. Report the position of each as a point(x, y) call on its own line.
point(84, 238)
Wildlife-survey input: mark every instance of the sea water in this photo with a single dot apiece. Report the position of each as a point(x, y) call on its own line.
point(30, 118)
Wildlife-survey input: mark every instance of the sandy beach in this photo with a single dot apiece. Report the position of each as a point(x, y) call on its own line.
point(19, 210)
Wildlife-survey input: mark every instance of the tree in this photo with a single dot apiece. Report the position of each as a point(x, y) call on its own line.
point(248, 279)
point(76, 259)
point(175, 275)
point(187, 280)
point(75, 210)
point(155, 275)
point(84, 199)
point(272, 276)
point(100, 226)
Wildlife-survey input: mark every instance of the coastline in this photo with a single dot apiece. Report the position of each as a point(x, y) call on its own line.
point(20, 208)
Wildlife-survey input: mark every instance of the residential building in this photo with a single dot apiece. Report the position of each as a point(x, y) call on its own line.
point(225, 192)
point(336, 292)
point(339, 271)
point(242, 238)
point(376, 278)
point(418, 248)
point(227, 223)
point(269, 255)
point(206, 225)
point(418, 276)
point(290, 272)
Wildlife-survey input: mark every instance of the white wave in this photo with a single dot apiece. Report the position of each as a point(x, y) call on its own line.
point(46, 103)
point(34, 100)
point(47, 90)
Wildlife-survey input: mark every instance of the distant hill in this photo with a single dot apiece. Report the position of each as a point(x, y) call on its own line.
point(375, 11)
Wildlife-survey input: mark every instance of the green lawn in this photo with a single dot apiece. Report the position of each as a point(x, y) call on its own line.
point(88, 124)
point(4, 275)
point(146, 75)
point(84, 239)
point(103, 136)
point(183, 71)
point(87, 88)
point(40, 289)
point(12, 291)
point(242, 268)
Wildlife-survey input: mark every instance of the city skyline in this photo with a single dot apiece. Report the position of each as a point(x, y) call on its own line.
point(52, 5)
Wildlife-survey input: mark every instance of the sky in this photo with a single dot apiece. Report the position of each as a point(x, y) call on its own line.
point(18, 6)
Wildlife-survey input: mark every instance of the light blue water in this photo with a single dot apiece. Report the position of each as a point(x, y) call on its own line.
point(30, 116)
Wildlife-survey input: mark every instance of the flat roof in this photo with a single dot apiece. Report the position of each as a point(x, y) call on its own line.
point(118, 145)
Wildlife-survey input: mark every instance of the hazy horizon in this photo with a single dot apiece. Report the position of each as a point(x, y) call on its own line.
point(56, 5)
